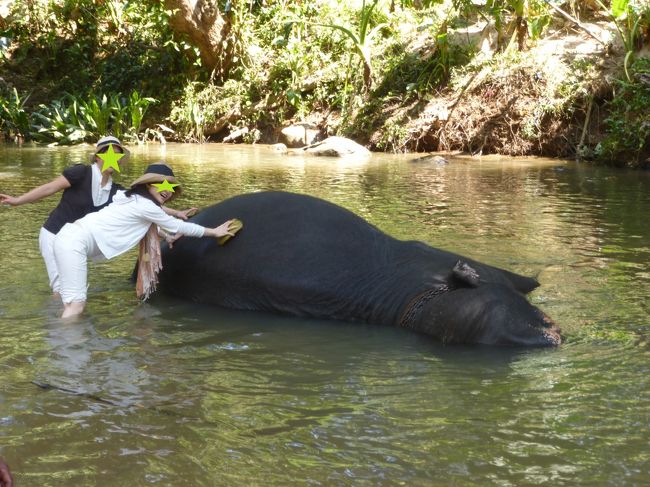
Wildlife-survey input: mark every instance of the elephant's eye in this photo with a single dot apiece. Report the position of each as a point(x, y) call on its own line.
point(546, 321)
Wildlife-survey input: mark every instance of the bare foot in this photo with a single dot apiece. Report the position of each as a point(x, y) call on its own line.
point(73, 309)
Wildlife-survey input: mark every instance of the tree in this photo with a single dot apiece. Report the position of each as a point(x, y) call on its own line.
point(207, 28)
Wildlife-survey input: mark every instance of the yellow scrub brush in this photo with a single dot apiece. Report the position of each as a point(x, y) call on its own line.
point(234, 227)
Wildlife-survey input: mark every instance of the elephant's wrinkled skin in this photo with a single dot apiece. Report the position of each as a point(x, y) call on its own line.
point(304, 256)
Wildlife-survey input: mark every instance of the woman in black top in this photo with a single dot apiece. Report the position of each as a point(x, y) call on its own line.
point(86, 188)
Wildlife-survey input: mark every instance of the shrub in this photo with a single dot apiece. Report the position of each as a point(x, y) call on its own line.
point(627, 126)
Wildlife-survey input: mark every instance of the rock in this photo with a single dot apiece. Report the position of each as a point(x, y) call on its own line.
point(299, 135)
point(482, 37)
point(431, 158)
point(279, 148)
point(235, 135)
point(336, 147)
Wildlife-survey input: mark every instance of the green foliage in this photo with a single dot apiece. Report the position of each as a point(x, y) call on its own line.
point(84, 47)
point(197, 107)
point(135, 109)
point(371, 64)
point(99, 112)
point(419, 73)
point(204, 105)
point(539, 18)
point(361, 37)
point(394, 136)
point(435, 71)
point(630, 18)
point(627, 127)
point(71, 120)
point(421, 4)
point(14, 119)
point(59, 123)
point(513, 19)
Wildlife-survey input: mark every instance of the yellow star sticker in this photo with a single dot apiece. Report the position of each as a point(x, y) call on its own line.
point(110, 158)
point(165, 186)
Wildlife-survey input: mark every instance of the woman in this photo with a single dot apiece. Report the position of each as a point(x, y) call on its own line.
point(86, 189)
point(131, 218)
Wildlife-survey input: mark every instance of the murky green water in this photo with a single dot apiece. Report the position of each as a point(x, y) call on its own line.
point(201, 396)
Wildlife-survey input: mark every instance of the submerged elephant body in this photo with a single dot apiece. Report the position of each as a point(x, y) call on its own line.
point(304, 256)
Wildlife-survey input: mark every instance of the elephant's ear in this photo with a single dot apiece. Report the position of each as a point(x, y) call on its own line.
point(464, 275)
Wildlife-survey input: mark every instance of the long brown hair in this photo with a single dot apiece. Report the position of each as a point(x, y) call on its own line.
point(142, 190)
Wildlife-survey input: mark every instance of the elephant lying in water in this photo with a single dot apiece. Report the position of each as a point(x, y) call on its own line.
point(304, 256)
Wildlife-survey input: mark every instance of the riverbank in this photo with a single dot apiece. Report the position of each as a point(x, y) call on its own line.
point(397, 78)
point(532, 102)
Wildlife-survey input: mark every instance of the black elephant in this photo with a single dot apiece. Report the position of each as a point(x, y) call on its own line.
point(303, 256)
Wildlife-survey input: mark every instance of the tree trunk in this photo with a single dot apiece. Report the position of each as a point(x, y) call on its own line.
point(207, 28)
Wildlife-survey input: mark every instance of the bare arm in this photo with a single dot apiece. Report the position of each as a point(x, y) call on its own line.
point(223, 230)
point(168, 223)
point(37, 194)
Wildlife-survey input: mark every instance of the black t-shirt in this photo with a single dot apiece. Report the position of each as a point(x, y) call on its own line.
point(77, 200)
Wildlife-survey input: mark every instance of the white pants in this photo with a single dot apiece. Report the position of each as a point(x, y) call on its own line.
point(72, 247)
point(46, 245)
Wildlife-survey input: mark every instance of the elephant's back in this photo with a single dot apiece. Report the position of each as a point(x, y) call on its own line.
point(290, 243)
point(288, 215)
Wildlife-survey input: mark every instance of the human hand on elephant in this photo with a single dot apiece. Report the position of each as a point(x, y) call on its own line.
point(185, 214)
point(170, 239)
point(220, 231)
point(226, 230)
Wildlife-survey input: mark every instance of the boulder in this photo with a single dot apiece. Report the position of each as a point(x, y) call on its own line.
point(299, 135)
point(432, 159)
point(235, 135)
point(336, 147)
point(279, 148)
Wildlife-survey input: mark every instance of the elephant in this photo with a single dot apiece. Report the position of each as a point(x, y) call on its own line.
point(303, 256)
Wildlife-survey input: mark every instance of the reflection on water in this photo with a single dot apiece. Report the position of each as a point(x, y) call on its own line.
point(170, 393)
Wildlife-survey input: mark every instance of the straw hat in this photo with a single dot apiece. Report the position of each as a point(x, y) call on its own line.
point(109, 139)
point(157, 173)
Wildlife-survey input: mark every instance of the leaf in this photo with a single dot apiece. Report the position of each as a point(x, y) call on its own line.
point(619, 8)
point(347, 32)
point(293, 97)
point(279, 41)
point(77, 135)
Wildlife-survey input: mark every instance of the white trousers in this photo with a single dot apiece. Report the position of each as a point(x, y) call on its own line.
point(46, 246)
point(72, 247)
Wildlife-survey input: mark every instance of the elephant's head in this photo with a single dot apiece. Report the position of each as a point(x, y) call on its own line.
point(471, 311)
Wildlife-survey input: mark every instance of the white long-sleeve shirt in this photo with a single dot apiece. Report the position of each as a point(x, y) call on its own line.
point(123, 223)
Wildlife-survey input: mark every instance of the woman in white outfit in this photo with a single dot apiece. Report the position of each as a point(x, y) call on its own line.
point(130, 219)
point(86, 188)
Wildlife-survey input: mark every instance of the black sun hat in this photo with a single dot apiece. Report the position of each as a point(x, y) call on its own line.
point(157, 173)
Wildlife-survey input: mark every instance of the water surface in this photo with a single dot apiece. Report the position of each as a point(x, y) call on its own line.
point(168, 393)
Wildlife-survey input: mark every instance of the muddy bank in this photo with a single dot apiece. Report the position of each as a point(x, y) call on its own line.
point(550, 100)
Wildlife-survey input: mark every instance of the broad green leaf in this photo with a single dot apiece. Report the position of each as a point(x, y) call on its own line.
point(619, 7)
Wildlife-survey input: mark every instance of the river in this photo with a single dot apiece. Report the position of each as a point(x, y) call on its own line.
point(166, 393)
